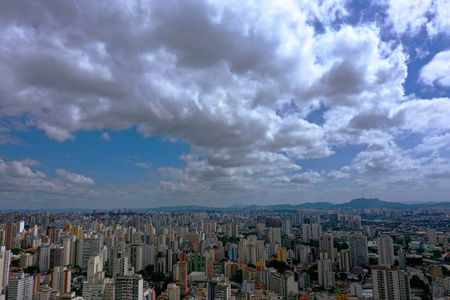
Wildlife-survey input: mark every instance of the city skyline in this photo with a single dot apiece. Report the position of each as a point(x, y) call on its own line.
point(149, 104)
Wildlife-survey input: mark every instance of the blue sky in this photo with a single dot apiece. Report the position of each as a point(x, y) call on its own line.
point(145, 103)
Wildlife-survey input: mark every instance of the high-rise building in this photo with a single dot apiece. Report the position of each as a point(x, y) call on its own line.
point(368, 231)
point(43, 258)
point(10, 234)
point(281, 254)
point(354, 222)
point(61, 279)
point(334, 220)
point(5, 261)
point(316, 230)
point(436, 271)
point(306, 233)
point(69, 254)
point(56, 257)
point(401, 260)
point(283, 284)
point(385, 250)
point(2, 270)
point(305, 255)
point(183, 277)
point(304, 281)
point(432, 236)
point(356, 290)
point(137, 257)
point(20, 287)
point(218, 290)
point(52, 234)
point(325, 272)
point(173, 291)
point(197, 262)
point(345, 262)
point(390, 283)
point(287, 226)
point(2, 237)
point(275, 235)
point(129, 287)
point(95, 265)
point(326, 246)
point(359, 254)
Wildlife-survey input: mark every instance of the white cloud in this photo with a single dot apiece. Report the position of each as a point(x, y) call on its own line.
point(434, 143)
point(425, 116)
point(143, 165)
point(9, 139)
point(74, 178)
point(409, 16)
point(335, 174)
point(309, 177)
point(384, 158)
point(437, 71)
point(105, 136)
point(238, 81)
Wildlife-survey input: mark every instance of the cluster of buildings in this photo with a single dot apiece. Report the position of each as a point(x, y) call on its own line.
point(233, 254)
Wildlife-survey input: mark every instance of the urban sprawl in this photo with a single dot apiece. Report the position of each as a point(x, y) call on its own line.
point(251, 254)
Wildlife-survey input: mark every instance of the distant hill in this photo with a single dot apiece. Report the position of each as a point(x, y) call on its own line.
point(186, 208)
point(362, 203)
point(359, 203)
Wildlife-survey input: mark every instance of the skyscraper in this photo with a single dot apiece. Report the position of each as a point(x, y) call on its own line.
point(432, 236)
point(5, 261)
point(326, 246)
point(385, 250)
point(183, 277)
point(287, 226)
point(218, 290)
point(306, 233)
point(316, 230)
point(359, 255)
point(61, 279)
point(69, 256)
point(173, 291)
point(325, 272)
point(129, 287)
point(20, 287)
point(344, 260)
point(10, 234)
point(390, 283)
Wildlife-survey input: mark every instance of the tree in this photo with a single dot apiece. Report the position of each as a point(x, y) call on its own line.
point(340, 246)
point(77, 270)
point(15, 263)
point(158, 276)
point(238, 277)
point(312, 272)
point(149, 269)
point(416, 282)
point(343, 276)
point(437, 253)
point(16, 251)
point(30, 270)
point(281, 266)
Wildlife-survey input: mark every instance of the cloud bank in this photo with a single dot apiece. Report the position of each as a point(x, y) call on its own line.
point(240, 82)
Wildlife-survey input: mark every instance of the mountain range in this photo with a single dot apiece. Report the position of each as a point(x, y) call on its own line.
point(360, 203)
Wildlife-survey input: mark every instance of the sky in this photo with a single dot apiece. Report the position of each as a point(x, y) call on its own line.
point(134, 104)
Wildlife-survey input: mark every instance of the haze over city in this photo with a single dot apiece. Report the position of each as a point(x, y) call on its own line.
point(113, 104)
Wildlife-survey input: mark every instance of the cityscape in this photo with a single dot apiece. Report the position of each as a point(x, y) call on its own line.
point(251, 253)
point(224, 150)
